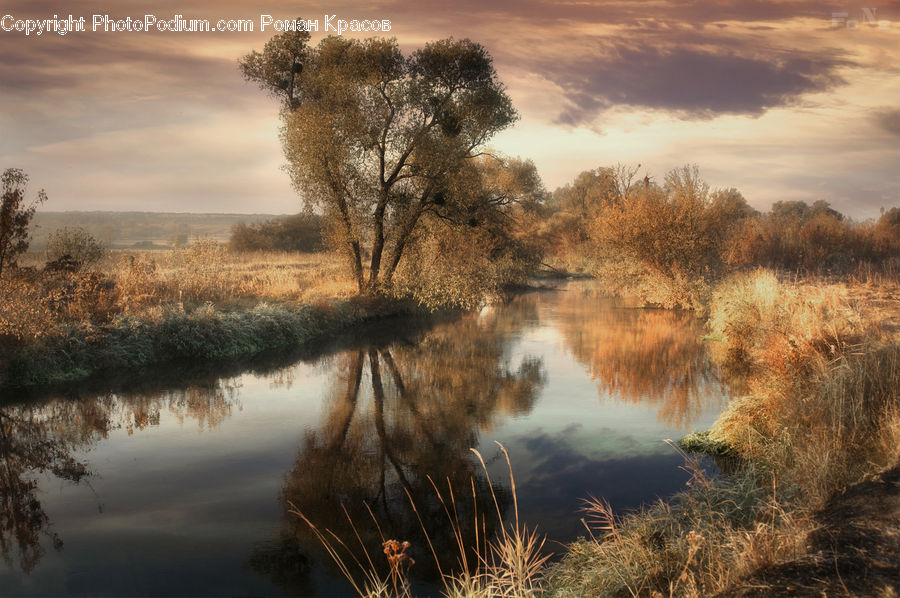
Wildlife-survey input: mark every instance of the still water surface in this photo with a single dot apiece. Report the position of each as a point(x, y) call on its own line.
point(186, 491)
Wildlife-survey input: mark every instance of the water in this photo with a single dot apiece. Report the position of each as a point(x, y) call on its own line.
point(187, 490)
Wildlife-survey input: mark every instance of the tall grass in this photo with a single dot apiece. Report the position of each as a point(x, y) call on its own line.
point(694, 544)
point(821, 411)
point(508, 565)
point(200, 302)
point(823, 407)
point(39, 303)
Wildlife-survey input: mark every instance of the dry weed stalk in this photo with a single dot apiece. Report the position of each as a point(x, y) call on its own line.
point(507, 566)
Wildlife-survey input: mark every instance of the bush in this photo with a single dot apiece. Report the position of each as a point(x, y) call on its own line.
point(814, 239)
point(15, 216)
point(662, 243)
point(75, 246)
point(292, 233)
point(461, 267)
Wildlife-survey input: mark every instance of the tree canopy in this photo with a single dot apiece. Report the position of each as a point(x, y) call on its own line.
point(376, 140)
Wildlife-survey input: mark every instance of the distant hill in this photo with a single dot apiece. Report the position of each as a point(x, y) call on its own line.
point(125, 230)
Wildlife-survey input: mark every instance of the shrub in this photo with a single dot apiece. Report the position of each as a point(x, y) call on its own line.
point(15, 217)
point(26, 312)
point(454, 266)
point(301, 232)
point(662, 243)
point(814, 239)
point(75, 245)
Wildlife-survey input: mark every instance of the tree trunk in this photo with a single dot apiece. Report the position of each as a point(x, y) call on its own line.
point(353, 244)
point(378, 241)
point(400, 244)
point(356, 256)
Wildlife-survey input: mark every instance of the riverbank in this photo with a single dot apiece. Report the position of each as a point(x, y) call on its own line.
point(852, 551)
point(174, 335)
point(136, 310)
point(819, 366)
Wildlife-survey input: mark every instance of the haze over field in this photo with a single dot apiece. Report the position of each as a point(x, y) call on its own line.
point(783, 100)
point(121, 230)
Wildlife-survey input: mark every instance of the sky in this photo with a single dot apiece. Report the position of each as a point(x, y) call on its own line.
point(783, 100)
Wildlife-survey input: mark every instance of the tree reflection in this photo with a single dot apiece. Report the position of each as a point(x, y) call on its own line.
point(29, 443)
point(399, 424)
point(643, 356)
point(38, 438)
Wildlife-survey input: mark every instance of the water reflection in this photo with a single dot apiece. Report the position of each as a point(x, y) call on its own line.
point(32, 440)
point(381, 418)
point(642, 356)
point(43, 438)
point(399, 422)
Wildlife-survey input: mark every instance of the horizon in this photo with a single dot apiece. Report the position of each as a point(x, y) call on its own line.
point(782, 100)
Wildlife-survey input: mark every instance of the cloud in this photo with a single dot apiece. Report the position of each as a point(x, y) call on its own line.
point(119, 97)
point(691, 83)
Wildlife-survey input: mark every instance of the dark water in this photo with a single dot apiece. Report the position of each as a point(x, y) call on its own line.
point(187, 491)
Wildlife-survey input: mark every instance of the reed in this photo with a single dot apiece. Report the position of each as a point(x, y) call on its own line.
point(508, 565)
point(696, 543)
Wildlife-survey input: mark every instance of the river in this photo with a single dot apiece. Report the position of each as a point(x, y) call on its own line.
point(162, 489)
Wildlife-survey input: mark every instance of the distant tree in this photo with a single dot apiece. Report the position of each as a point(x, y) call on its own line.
point(15, 216)
point(799, 210)
point(886, 233)
point(731, 204)
point(592, 189)
point(375, 139)
point(301, 232)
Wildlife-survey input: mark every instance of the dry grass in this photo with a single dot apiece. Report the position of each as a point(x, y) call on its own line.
point(822, 412)
point(823, 402)
point(139, 284)
point(206, 271)
point(136, 309)
point(508, 565)
point(762, 322)
point(695, 544)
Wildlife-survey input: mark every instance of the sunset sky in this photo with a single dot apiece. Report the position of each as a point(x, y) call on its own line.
point(783, 100)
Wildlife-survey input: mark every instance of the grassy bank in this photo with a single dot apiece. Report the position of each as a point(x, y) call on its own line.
point(175, 335)
point(821, 412)
point(134, 310)
point(61, 322)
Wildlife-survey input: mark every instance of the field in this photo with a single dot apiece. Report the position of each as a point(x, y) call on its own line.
point(132, 309)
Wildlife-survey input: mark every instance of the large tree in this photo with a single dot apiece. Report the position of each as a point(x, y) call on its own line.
point(376, 139)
